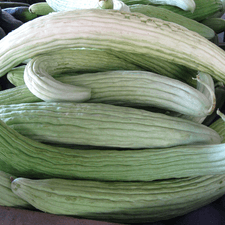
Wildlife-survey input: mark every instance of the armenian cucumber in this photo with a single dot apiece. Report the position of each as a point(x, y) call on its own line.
point(118, 31)
point(119, 87)
point(219, 127)
point(167, 15)
point(40, 9)
point(186, 5)
point(121, 202)
point(7, 197)
point(75, 61)
point(103, 125)
point(16, 95)
point(26, 157)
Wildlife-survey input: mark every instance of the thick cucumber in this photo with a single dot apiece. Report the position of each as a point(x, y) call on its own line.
point(120, 87)
point(121, 202)
point(26, 157)
point(103, 125)
point(124, 33)
point(7, 197)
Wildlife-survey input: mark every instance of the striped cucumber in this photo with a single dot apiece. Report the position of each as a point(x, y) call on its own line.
point(167, 15)
point(120, 87)
point(186, 48)
point(121, 202)
point(103, 125)
point(186, 5)
point(7, 197)
point(106, 164)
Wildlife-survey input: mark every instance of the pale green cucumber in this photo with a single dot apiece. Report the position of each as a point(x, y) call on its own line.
point(121, 202)
point(219, 127)
point(7, 197)
point(103, 125)
point(123, 34)
point(31, 159)
point(55, 91)
point(75, 61)
point(22, 94)
point(146, 89)
point(186, 5)
point(15, 76)
point(167, 15)
point(16, 95)
point(203, 10)
point(120, 87)
point(159, 66)
point(206, 86)
point(40, 8)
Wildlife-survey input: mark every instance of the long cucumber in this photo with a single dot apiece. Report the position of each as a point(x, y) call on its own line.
point(119, 31)
point(103, 125)
point(167, 15)
point(121, 202)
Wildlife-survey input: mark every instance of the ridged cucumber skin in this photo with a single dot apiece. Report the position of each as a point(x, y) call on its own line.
point(7, 197)
point(75, 61)
point(167, 15)
point(22, 94)
point(119, 87)
point(103, 125)
point(16, 95)
point(31, 159)
point(203, 10)
point(143, 89)
point(219, 127)
point(188, 48)
point(123, 202)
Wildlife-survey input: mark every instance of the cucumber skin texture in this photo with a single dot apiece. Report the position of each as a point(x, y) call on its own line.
point(198, 55)
point(104, 125)
point(17, 95)
point(204, 9)
point(119, 87)
point(123, 202)
point(42, 161)
point(219, 127)
point(167, 15)
point(7, 197)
